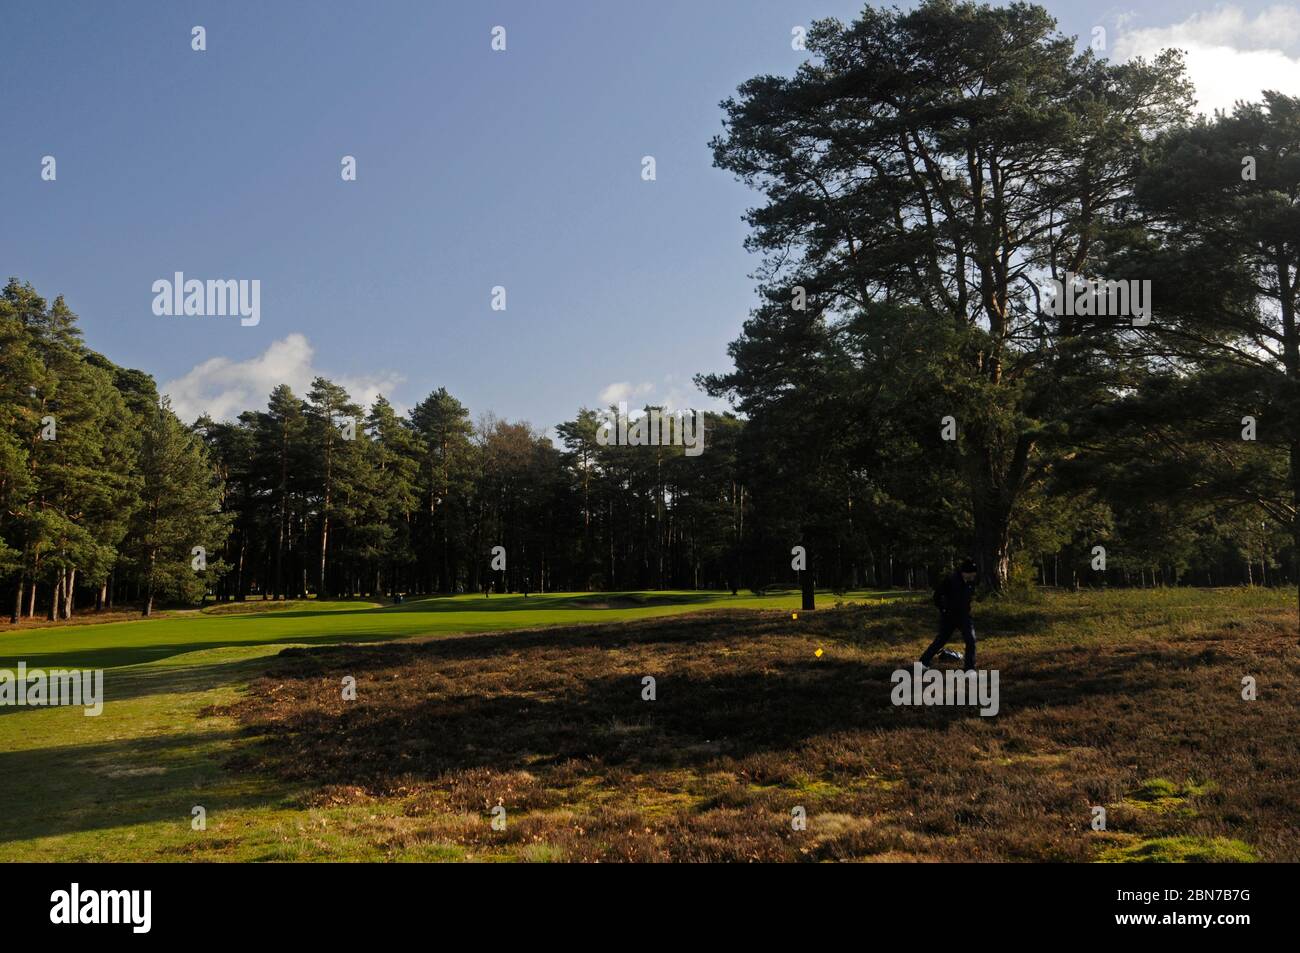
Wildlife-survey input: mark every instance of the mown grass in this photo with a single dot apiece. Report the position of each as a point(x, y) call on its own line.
point(118, 644)
point(1126, 700)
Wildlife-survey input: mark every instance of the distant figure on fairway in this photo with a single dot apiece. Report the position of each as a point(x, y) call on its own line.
point(487, 589)
point(952, 597)
point(525, 587)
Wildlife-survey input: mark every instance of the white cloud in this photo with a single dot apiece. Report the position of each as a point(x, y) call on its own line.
point(624, 390)
point(224, 388)
point(668, 393)
point(1229, 55)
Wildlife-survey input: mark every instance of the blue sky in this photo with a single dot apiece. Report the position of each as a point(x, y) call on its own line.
point(475, 169)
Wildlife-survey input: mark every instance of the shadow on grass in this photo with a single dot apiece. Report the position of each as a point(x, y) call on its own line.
point(76, 788)
point(138, 681)
point(538, 602)
point(337, 631)
point(116, 657)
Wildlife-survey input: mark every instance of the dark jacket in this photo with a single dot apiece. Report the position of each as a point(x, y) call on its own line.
point(953, 596)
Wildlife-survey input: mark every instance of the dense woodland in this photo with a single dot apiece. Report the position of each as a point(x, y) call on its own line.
point(920, 182)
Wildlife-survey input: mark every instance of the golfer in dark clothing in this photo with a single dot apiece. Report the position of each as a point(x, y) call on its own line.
point(953, 599)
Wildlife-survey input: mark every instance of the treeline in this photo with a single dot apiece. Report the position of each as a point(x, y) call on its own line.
point(330, 500)
point(103, 493)
point(107, 497)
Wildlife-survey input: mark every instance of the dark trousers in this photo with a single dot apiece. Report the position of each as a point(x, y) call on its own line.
point(946, 625)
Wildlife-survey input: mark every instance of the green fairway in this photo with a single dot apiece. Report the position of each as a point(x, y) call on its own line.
point(124, 644)
point(127, 643)
point(122, 785)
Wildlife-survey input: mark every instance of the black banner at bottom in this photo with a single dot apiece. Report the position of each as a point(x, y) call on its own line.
point(141, 903)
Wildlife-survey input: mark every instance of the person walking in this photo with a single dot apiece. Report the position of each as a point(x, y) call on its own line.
point(952, 597)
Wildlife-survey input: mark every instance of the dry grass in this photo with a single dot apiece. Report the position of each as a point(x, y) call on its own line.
point(87, 617)
point(1129, 702)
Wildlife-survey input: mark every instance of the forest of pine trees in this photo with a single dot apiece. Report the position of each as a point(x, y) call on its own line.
point(107, 509)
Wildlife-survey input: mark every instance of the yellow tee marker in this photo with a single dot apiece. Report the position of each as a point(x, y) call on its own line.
point(818, 653)
point(794, 615)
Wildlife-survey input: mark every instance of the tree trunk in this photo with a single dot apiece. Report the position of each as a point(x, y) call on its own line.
point(995, 484)
point(993, 546)
point(324, 544)
point(284, 512)
point(148, 593)
point(68, 591)
point(17, 614)
point(56, 589)
point(1291, 361)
